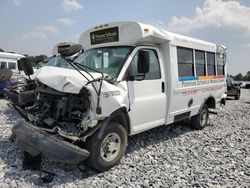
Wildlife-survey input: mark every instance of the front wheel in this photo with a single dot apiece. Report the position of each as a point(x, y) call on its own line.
point(237, 96)
point(107, 151)
point(200, 120)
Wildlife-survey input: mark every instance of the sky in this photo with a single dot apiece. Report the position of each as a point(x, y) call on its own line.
point(34, 26)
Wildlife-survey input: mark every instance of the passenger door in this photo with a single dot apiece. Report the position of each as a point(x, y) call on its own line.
point(147, 95)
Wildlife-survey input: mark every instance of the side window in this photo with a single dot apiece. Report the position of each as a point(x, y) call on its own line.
point(185, 62)
point(210, 64)
point(154, 66)
point(12, 65)
point(200, 63)
point(3, 65)
point(220, 63)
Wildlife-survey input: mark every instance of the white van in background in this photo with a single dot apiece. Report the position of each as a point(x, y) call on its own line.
point(9, 60)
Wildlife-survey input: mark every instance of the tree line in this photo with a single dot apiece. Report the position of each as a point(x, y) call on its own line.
point(240, 77)
point(34, 60)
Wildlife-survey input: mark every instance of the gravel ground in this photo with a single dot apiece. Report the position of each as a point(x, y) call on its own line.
point(169, 156)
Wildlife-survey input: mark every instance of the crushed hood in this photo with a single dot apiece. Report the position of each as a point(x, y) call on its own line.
point(112, 96)
point(62, 79)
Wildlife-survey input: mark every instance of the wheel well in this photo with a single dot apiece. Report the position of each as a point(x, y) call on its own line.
point(121, 116)
point(210, 102)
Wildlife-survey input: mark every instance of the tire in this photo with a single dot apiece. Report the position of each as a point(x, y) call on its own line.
point(107, 151)
point(237, 96)
point(200, 120)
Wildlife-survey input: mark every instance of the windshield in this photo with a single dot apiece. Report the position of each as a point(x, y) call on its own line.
point(57, 61)
point(230, 81)
point(108, 60)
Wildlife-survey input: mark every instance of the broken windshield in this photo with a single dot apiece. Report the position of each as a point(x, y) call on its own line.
point(108, 60)
point(57, 61)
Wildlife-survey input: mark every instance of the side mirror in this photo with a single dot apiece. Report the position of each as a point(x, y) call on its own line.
point(19, 65)
point(67, 50)
point(26, 66)
point(143, 62)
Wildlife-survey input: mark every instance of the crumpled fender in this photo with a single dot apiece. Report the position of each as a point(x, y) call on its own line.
point(112, 98)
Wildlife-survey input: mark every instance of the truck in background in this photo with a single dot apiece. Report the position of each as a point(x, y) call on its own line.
point(132, 77)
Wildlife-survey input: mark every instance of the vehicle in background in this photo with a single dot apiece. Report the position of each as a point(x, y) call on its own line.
point(240, 84)
point(5, 75)
point(233, 88)
point(131, 78)
point(8, 66)
point(9, 60)
point(247, 86)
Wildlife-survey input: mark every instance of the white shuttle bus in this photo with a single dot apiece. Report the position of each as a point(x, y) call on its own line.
point(131, 78)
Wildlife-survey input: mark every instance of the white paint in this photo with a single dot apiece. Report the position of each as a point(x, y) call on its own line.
point(147, 106)
point(132, 33)
point(64, 80)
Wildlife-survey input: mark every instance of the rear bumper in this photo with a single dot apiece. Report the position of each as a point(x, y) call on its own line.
point(34, 141)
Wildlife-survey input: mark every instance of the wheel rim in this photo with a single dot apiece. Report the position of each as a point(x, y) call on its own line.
point(203, 118)
point(110, 147)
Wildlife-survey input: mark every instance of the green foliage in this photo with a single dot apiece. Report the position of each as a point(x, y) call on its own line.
point(1, 50)
point(240, 77)
point(34, 60)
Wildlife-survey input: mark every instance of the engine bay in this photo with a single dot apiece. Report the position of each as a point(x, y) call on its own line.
point(56, 112)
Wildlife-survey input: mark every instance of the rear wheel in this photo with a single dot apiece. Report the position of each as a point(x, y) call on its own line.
point(200, 120)
point(107, 151)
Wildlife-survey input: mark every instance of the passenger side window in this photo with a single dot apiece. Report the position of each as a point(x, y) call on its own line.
point(220, 63)
point(200, 63)
point(210, 64)
point(12, 65)
point(185, 62)
point(154, 66)
point(3, 65)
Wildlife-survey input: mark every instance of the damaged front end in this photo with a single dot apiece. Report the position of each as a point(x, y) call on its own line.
point(70, 107)
point(35, 141)
point(56, 125)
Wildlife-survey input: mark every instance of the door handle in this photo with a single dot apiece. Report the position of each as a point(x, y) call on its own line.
point(163, 87)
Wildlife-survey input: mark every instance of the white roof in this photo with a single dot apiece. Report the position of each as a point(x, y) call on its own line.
point(11, 55)
point(134, 33)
